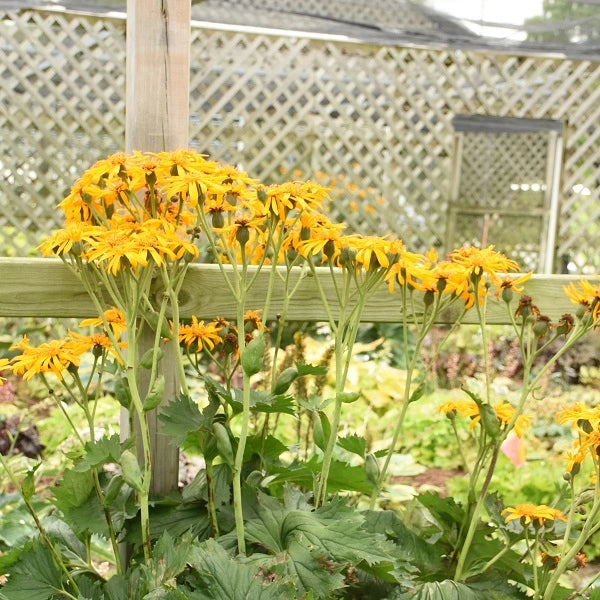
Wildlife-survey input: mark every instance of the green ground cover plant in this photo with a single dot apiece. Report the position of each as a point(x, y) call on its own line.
point(269, 514)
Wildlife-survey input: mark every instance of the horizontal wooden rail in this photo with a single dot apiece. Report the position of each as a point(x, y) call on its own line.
point(36, 287)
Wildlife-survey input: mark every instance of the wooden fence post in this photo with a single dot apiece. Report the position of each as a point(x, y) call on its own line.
point(157, 120)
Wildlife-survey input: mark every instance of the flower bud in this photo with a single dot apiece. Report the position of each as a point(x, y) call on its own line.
point(261, 194)
point(507, 295)
point(428, 298)
point(218, 221)
point(541, 326)
point(329, 249)
point(242, 235)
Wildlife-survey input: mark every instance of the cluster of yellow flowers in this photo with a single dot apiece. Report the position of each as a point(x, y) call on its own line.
point(128, 211)
point(468, 408)
point(586, 421)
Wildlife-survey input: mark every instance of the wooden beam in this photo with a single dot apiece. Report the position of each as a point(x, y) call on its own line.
point(33, 287)
point(157, 120)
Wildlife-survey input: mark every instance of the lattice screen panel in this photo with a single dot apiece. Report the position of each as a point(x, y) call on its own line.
point(375, 121)
point(504, 170)
point(60, 110)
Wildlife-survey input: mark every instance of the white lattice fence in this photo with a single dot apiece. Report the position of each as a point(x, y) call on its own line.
point(373, 121)
point(61, 108)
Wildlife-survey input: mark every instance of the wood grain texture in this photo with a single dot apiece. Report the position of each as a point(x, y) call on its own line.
point(46, 288)
point(158, 73)
point(157, 120)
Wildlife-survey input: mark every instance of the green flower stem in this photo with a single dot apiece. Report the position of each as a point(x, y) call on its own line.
point(474, 522)
point(38, 523)
point(238, 464)
point(173, 287)
point(340, 351)
point(212, 510)
point(96, 480)
point(590, 526)
point(239, 455)
point(426, 325)
point(569, 518)
point(481, 315)
point(507, 546)
point(533, 552)
point(459, 444)
point(144, 493)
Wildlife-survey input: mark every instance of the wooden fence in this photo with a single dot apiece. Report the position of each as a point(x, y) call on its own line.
point(46, 288)
point(375, 119)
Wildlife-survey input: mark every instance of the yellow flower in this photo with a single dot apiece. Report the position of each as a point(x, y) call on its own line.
point(587, 295)
point(514, 285)
point(115, 248)
point(62, 241)
point(325, 237)
point(372, 252)
point(483, 261)
point(532, 512)
point(579, 414)
point(113, 317)
point(199, 334)
point(50, 357)
point(4, 363)
point(98, 342)
point(467, 408)
point(411, 270)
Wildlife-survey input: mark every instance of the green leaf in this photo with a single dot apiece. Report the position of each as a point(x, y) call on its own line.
point(180, 417)
point(35, 577)
point(117, 588)
point(60, 531)
point(263, 402)
point(304, 369)
point(176, 519)
point(441, 590)
point(269, 447)
point(310, 574)
point(104, 450)
point(409, 545)
point(445, 510)
point(353, 443)
point(168, 560)
point(342, 476)
point(73, 490)
point(8, 559)
point(221, 578)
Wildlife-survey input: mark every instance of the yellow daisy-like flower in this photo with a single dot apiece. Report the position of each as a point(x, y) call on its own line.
point(479, 261)
point(4, 364)
point(62, 241)
point(50, 357)
point(532, 512)
point(199, 334)
point(113, 317)
point(514, 285)
point(578, 414)
point(587, 295)
point(99, 343)
point(467, 408)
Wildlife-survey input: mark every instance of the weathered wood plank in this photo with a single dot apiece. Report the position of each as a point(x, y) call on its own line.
point(46, 288)
point(157, 120)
